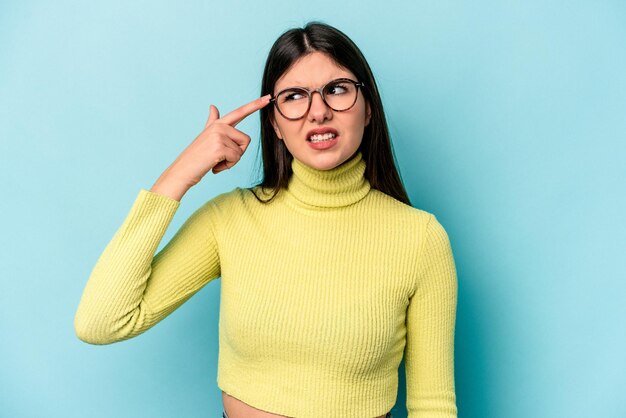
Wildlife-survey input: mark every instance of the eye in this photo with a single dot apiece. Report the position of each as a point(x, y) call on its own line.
point(338, 88)
point(292, 95)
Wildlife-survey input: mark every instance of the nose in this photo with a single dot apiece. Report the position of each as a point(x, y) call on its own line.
point(319, 111)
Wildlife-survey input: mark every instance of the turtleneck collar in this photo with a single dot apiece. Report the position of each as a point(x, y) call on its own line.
point(337, 187)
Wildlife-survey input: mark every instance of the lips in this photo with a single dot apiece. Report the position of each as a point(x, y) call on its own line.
point(321, 131)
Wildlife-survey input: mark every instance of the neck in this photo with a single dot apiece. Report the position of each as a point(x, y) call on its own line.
point(341, 186)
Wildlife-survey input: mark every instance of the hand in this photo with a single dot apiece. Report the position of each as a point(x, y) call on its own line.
point(218, 147)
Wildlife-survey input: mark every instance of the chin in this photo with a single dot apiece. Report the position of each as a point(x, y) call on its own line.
point(325, 162)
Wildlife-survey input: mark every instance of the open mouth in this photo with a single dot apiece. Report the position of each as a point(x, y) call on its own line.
point(322, 137)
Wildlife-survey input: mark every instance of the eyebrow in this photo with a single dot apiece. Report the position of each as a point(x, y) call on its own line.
point(298, 84)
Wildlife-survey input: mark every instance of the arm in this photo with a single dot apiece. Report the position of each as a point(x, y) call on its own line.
point(429, 352)
point(128, 290)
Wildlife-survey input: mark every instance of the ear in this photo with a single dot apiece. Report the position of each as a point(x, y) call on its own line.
point(368, 113)
point(276, 128)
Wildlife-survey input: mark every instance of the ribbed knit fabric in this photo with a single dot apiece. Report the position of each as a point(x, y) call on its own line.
point(323, 291)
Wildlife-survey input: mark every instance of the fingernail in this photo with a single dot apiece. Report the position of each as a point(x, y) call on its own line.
point(266, 97)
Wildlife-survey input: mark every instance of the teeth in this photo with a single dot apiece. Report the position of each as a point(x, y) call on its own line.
point(325, 137)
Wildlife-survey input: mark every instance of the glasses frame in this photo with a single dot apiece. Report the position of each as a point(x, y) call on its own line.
point(320, 90)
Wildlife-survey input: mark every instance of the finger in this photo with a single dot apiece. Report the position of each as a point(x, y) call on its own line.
point(214, 115)
point(220, 167)
point(228, 142)
point(239, 114)
point(232, 155)
point(238, 137)
point(230, 158)
point(225, 165)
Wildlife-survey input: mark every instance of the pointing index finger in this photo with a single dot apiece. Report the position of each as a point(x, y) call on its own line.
point(239, 114)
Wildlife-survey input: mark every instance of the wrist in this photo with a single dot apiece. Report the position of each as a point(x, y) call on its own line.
point(169, 187)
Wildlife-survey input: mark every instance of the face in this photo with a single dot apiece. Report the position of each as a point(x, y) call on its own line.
point(313, 71)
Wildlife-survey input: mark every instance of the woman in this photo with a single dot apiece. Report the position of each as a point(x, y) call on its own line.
point(329, 276)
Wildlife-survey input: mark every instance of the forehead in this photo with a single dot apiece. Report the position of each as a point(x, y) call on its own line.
point(312, 70)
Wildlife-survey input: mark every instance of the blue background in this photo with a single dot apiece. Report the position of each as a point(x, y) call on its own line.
point(508, 123)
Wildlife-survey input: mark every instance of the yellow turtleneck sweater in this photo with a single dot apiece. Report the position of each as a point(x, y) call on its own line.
point(323, 291)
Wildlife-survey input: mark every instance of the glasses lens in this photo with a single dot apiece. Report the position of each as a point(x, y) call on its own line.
point(340, 95)
point(293, 103)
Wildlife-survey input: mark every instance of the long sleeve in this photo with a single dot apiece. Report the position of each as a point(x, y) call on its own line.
point(129, 290)
point(431, 315)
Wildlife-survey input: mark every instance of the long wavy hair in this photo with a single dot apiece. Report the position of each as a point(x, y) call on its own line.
point(375, 146)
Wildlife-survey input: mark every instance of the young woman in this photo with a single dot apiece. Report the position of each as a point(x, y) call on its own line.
point(329, 276)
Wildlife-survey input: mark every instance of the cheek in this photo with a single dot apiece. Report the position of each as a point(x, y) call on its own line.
point(359, 117)
point(362, 108)
point(289, 131)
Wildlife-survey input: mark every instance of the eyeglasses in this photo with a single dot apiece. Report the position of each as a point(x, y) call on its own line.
point(339, 94)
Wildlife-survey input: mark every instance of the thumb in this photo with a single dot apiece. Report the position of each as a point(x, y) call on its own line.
point(214, 115)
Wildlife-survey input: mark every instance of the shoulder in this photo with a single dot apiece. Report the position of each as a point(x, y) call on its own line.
point(237, 199)
point(396, 209)
point(423, 226)
point(410, 226)
point(226, 198)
